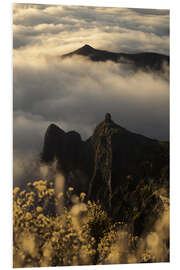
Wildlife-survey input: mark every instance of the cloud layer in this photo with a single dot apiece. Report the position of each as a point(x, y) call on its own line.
point(76, 93)
point(68, 27)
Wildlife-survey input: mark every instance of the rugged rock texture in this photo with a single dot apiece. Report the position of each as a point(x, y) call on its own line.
point(117, 168)
point(74, 156)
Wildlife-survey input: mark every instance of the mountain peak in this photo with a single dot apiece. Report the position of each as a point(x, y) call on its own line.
point(87, 46)
point(145, 61)
point(100, 165)
point(108, 117)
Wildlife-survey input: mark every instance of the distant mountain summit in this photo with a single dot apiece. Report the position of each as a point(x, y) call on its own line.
point(85, 50)
point(145, 60)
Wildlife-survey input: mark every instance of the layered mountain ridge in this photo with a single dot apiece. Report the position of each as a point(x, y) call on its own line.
point(145, 60)
point(111, 165)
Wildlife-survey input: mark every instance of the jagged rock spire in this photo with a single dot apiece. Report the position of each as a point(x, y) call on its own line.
point(108, 117)
point(103, 162)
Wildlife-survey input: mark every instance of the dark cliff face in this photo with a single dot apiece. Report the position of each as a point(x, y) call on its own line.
point(74, 156)
point(146, 60)
point(124, 152)
point(113, 166)
point(124, 162)
point(67, 147)
point(53, 143)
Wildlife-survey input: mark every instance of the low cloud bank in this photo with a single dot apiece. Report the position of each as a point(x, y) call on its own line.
point(76, 93)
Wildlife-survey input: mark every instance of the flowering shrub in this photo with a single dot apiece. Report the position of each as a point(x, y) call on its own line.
point(48, 234)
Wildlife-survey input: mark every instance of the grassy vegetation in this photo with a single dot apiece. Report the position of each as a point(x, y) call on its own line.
point(48, 234)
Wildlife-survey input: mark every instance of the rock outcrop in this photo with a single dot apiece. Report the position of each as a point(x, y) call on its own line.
point(112, 167)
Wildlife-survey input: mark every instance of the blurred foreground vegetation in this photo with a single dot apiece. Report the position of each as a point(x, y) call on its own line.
point(47, 233)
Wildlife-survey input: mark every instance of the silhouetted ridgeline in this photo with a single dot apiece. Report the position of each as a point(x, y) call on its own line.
point(145, 60)
point(116, 168)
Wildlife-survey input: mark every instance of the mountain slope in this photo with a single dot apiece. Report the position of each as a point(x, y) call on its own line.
point(145, 60)
point(119, 169)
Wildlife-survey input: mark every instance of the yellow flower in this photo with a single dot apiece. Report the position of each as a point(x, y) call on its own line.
point(39, 209)
point(60, 195)
point(41, 216)
point(82, 195)
point(29, 184)
point(70, 188)
point(40, 185)
point(40, 182)
point(28, 216)
point(51, 191)
point(16, 190)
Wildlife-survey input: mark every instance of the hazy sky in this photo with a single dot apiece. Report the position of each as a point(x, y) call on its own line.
point(74, 93)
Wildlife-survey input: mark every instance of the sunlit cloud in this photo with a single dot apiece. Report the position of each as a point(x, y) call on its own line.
point(48, 89)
